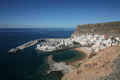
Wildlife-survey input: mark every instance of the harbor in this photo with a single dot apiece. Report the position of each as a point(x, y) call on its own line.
point(28, 44)
point(50, 45)
point(47, 45)
point(96, 42)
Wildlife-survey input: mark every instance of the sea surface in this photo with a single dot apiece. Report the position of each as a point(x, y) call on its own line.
point(30, 64)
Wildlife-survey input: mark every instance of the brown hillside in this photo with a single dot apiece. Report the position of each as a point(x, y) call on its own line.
point(104, 66)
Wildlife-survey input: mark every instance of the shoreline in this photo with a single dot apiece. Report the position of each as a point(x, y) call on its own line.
point(86, 51)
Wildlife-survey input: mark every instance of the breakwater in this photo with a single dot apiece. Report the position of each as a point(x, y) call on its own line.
point(54, 66)
point(21, 47)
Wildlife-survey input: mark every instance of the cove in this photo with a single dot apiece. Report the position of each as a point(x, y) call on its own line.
point(68, 56)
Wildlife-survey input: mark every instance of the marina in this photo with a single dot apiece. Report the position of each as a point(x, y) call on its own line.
point(47, 45)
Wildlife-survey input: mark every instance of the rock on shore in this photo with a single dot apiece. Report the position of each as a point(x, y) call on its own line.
point(103, 66)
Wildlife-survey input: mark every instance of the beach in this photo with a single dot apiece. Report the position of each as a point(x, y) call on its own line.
point(86, 53)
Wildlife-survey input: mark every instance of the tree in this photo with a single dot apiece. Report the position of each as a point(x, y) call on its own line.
point(76, 43)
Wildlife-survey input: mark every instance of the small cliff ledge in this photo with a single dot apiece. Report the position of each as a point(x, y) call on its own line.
point(109, 28)
point(103, 66)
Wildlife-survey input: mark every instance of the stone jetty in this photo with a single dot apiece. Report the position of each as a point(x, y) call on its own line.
point(21, 47)
point(61, 66)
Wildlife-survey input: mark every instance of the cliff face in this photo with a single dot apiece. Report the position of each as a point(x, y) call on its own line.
point(109, 28)
point(104, 66)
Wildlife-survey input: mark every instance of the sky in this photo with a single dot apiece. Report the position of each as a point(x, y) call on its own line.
point(57, 13)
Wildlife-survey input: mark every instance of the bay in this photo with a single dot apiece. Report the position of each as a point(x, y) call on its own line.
point(30, 64)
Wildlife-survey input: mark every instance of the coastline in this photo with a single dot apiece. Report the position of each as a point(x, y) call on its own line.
point(101, 67)
point(86, 51)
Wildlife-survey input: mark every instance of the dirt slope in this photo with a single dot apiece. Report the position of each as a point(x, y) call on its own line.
point(103, 66)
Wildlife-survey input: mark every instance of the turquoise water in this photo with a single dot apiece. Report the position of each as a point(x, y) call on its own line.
point(30, 64)
point(68, 56)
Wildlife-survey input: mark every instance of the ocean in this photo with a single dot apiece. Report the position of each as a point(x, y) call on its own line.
point(30, 64)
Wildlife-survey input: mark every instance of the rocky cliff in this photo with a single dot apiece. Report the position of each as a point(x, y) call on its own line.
point(103, 66)
point(109, 28)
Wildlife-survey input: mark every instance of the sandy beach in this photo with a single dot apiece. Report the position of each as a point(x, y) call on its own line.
point(86, 51)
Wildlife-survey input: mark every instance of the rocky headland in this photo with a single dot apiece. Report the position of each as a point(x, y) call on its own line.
point(109, 28)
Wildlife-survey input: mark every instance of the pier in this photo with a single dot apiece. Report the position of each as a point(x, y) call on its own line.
point(21, 47)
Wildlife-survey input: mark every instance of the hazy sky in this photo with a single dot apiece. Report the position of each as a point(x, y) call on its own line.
point(57, 13)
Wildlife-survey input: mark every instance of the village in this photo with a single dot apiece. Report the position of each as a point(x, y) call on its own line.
point(55, 44)
point(96, 42)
